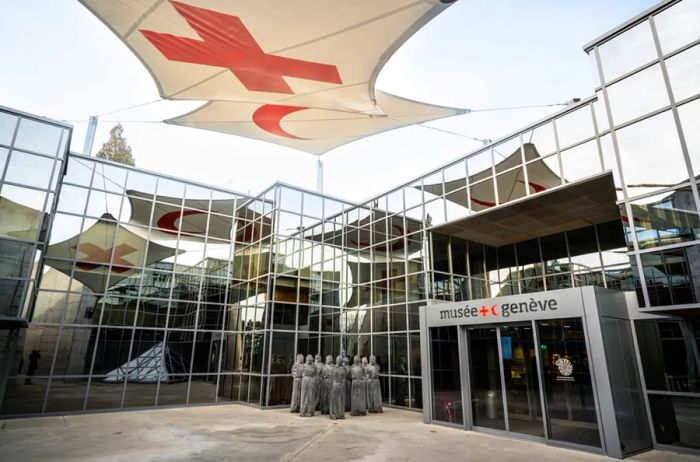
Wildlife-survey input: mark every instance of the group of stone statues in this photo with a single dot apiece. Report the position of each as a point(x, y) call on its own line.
point(336, 387)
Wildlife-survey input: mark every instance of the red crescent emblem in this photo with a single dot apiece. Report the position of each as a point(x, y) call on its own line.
point(167, 221)
point(269, 116)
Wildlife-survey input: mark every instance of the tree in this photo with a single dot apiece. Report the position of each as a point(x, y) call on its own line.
point(116, 149)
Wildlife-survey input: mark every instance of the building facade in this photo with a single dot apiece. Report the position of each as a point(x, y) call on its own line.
point(123, 288)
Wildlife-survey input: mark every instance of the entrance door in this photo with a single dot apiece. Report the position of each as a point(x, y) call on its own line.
point(571, 412)
point(522, 385)
point(485, 379)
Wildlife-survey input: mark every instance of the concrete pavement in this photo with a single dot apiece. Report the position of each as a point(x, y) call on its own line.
point(241, 433)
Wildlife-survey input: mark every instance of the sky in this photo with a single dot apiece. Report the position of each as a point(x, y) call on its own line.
point(61, 62)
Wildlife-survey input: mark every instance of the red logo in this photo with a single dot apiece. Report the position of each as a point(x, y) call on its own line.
point(102, 257)
point(484, 311)
point(226, 42)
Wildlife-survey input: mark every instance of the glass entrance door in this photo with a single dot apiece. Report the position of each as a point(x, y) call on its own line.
point(521, 380)
point(571, 412)
point(485, 379)
point(515, 368)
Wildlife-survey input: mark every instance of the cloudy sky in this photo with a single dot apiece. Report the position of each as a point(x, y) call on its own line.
point(61, 62)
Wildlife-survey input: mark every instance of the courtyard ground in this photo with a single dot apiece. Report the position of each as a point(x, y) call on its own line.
point(241, 433)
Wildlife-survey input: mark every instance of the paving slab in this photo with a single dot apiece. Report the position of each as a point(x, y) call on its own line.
point(241, 433)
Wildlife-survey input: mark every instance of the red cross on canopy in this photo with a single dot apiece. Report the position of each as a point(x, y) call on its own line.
point(226, 42)
point(101, 257)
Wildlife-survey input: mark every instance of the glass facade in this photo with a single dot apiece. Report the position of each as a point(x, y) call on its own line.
point(144, 290)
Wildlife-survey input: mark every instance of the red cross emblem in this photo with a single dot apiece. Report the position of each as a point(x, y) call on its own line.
point(227, 43)
point(101, 257)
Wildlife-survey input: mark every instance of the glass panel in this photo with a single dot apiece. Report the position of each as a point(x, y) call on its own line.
point(627, 51)
point(447, 385)
point(485, 378)
point(23, 396)
point(651, 155)
point(668, 356)
point(15, 259)
point(575, 126)
point(690, 120)
point(683, 73)
point(667, 218)
point(66, 394)
point(521, 380)
point(581, 161)
point(638, 95)
point(29, 170)
point(11, 293)
point(567, 382)
point(678, 25)
point(38, 137)
point(668, 276)
point(676, 420)
point(8, 123)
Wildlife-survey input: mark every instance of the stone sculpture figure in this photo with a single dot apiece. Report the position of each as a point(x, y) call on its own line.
point(326, 384)
point(297, 374)
point(318, 364)
point(358, 402)
point(348, 383)
point(374, 389)
point(365, 365)
point(308, 395)
point(337, 401)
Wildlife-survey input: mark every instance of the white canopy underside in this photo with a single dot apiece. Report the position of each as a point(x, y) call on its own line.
point(298, 73)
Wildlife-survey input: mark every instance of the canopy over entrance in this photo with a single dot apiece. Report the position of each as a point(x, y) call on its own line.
point(565, 208)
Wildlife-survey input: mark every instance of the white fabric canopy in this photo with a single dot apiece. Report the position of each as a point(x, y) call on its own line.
point(97, 248)
point(171, 217)
point(510, 185)
point(257, 61)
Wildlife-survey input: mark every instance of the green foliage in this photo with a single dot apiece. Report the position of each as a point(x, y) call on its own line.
point(116, 148)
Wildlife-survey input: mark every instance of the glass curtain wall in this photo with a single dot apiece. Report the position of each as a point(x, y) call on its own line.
point(133, 307)
point(648, 78)
point(32, 155)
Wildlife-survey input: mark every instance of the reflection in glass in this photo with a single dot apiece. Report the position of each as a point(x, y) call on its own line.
point(627, 51)
point(485, 378)
point(637, 95)
point(683, 73)
point(567, 382)
point(640, 144)
point(675, 420)
point(521, 382)
point(678, 25)
point(447, 391)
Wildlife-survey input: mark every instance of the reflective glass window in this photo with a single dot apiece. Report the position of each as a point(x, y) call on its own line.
point(637, 95)
point(581, 161)
point(690, 121)
point(627, 51)
point(668, 276)
point(8, 124)
point(30, 170)
point(683, 73)
point(678, 25)
point(21, 209)
point(674, 420)
point(650, 154)
point(39, 137)
point(666, 218)
point(447, 389)
point(575, 126)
